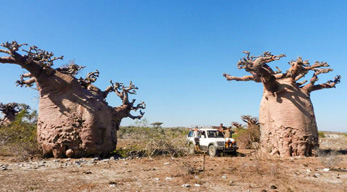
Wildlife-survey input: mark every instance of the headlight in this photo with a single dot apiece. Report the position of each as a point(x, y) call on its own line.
point(220, 143)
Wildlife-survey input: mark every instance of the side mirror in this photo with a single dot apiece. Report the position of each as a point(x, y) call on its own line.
point(202, 136)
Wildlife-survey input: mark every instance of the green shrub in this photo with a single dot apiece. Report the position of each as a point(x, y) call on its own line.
point(19, 138)
point(321, 134)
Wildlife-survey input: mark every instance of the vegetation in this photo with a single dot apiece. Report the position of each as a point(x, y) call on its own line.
point(156, 124)
point(146, 141)
point(321, 134)
point(249, 137)
point(19, 138)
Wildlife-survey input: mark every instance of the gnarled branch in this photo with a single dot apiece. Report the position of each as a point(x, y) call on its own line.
point(138, 116)
point(300, 68)
point(44, 58)
point(328, 84)
point(261, 72)
point(90, 78)
point(314, 78)
point(253, 63)
point(35, 60)
point(124, 91)
point(28, 82)
point(141, 105)
point(244, 78)
point(71, 69)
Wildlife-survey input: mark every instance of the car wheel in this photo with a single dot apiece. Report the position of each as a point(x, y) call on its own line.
point(191, 148)
point(212, 151)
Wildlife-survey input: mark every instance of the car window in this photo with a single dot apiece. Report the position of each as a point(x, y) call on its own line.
point(190, 134)
point(214, 134)
point(203, 133)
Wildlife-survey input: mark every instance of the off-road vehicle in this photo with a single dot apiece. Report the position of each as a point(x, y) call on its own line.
point(211, 141)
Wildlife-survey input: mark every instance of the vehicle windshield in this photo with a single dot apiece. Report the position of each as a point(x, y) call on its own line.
point(214, 134)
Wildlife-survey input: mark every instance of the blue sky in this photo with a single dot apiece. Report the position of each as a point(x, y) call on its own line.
point(176, 51)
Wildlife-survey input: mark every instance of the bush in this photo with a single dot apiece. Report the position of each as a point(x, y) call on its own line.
point(19, 138)
point(159, 147)
point(329, 159)
point(246, 138)
point(153, 142)
point(321, 134)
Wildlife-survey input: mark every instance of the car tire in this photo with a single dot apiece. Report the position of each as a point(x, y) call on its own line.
point(191, 148)
point(212, 151)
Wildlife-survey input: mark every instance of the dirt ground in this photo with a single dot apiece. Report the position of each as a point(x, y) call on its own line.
point(246, 172)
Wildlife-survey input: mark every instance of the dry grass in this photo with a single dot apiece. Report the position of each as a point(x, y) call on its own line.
point(150, 142)
point(248, 138)
point(329, 159)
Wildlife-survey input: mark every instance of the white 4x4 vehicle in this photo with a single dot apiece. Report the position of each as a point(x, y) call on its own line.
point(211, 141)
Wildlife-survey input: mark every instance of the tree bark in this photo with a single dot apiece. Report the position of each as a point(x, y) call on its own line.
point(287, 121)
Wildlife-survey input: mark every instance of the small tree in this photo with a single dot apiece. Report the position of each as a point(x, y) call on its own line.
point(247, 137)
point(157, 124)
point(10, 110)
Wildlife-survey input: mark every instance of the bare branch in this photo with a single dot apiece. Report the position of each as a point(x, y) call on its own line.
point(90, 78)
point(300, 68)
point(137, 117)
point(141, 105)
point(124, 91)
point(28, 83)
point(328, 84)
point(278, 70)
point(261, 72)
point(12, 47)
point(253, 63)
point(71, 69)
point(108, 89)
point(244, 78)
point(5, 51)
point(10, 60)
point(44, 58)
point(317, 64)
point(314, 78)
point(301, 83)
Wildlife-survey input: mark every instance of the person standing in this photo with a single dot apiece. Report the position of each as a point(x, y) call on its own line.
point(196, 135)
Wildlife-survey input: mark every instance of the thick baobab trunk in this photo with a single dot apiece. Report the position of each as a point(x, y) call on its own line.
point(71, 117)
point(74, 119)
point(287, 122)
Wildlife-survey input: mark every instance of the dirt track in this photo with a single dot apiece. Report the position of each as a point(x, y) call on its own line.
point(249, 173)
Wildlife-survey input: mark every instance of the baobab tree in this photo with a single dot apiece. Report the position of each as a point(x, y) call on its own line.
point(286, 116)
point(251, 121)
point(74, 118)
point(10, 110)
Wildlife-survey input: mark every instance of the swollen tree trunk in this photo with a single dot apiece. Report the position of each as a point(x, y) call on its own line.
point(287, 121)
point(74, 119)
